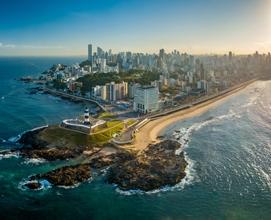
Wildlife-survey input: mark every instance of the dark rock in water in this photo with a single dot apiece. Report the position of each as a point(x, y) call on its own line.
point(33, 185)
point(31, 139)
point(34, 90)
point(210, 118)
point(26, 79)
point(68, 175)
point(52, 153)
point(155, 167)
point(103, 161)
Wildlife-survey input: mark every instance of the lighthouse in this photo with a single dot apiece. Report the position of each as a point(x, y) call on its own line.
point(86, 116)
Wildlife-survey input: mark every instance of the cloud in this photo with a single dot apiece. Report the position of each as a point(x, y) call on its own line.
point(7, 45)
point(10, 46)
point(41, 47)
point(29, 46)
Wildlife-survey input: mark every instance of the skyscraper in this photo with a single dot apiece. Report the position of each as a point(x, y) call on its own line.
point(90, 53)
point(162, 53)
point(100, 52)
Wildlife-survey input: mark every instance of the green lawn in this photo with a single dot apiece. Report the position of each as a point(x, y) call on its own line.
point(105, 134)
point(55, 134)
point(130, 122)
point(106, 115)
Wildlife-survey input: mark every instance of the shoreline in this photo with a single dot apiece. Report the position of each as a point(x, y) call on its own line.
point(148, 134)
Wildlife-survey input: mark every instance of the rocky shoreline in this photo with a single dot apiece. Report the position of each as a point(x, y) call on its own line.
point(155, 167)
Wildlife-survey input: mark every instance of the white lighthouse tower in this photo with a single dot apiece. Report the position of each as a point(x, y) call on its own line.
point(86, 116)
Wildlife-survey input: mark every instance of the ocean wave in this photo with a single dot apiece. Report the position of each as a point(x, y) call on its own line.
point(44, 184)
point(2, 140)
point(15, 138)
point(35, 161)
point(75, 185)
point(8, 154)
point(183, 134)
point(69, 187)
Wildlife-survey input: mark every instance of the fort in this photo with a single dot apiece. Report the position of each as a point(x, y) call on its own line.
point(86, 126)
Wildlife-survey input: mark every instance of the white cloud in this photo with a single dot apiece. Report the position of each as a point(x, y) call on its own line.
point(10, 46)
point(7, 45)
point(41, 47)
point(29, 46)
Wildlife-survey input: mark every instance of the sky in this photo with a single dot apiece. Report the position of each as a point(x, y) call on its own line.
point(65, 27)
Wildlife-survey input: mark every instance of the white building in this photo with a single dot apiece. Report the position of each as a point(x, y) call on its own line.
point(111, 91)
point(146, 99)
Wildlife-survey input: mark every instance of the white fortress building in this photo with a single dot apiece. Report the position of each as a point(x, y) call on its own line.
point(87, 125)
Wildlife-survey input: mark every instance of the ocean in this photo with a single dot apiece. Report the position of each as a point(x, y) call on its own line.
point(228, 150)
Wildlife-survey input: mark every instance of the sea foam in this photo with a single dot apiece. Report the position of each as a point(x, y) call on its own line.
point(35, 161)
point(8, 154)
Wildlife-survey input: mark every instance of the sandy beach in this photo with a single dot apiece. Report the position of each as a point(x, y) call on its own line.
point(149, 133)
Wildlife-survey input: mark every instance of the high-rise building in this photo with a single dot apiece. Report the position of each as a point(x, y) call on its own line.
point(202, 72)
point(121, 90)
point(162, 53)
point(100, 52)
point(146, 99)
point(111, 91)
point(230, 56)
point(90, 53)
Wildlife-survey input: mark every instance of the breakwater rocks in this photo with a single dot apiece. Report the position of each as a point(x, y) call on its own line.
point(155, 167)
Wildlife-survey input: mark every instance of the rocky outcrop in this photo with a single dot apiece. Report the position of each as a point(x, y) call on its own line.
point(103, 161)
point(157, 166)
point(31, 139)
point(52, 153)
point(66, 176)
point(34, 146)
point(33, 185)
point(154, 168)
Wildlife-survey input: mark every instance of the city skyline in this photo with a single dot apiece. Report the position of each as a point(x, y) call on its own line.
point(196, 27)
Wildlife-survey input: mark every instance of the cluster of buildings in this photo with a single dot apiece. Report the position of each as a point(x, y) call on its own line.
point(101, 61)
point(145, 98)
point(111, 91)
point(180, 75)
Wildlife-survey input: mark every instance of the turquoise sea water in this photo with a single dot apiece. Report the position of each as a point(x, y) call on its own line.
point(229, 154)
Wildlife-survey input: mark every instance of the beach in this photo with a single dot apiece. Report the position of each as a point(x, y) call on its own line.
point(149, 133)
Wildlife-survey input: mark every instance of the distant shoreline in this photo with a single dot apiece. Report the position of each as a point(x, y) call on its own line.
point(149, 132)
